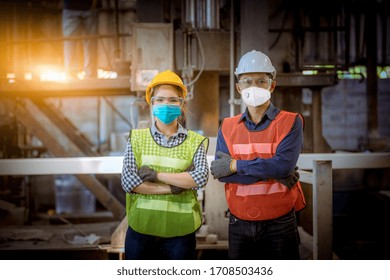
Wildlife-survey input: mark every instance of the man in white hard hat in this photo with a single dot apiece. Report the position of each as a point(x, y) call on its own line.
point(256, 158)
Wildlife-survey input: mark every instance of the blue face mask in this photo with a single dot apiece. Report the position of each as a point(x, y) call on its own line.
point(166, 113)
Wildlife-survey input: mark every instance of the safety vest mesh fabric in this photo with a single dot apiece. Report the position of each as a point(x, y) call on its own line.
point(262, 200)
point(164, 215)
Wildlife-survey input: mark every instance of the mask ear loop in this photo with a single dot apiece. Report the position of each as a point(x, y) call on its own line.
point(269, 88)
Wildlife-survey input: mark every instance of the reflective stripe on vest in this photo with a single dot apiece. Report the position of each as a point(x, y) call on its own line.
point(259, 188)
point(164, 205)
point(250, 148)
point(265, 199)
point(164, 215)
point(164, 162)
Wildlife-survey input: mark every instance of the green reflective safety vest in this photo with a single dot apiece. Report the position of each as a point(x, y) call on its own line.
point(164, 215)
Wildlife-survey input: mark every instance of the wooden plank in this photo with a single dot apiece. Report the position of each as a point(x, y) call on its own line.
point(219, 245)
point(63, 124)
point(103, 195)
point(28, 120)
point(118, 237)
point(100, 191)
point(6, 205)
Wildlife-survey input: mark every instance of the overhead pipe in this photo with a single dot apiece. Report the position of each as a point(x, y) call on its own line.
point(370, 37)
point(383, 20)
point(190, 12)
point(200, 15)
point(203, 14)
point(232, 90)
point(358, 54)
point(117, 39)
point(212, 14)
point(347, 38)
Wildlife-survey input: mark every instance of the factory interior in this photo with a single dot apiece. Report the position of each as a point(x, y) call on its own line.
point(62, 140)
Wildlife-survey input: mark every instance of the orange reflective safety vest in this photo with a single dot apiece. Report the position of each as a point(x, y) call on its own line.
point(262, 200)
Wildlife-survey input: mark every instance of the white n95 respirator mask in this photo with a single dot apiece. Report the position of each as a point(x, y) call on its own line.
point(255, 96)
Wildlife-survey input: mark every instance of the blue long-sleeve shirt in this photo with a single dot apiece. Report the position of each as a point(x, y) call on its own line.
point(279, 166)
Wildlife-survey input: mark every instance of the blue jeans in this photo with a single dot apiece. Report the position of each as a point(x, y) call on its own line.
point(140, 246)
point(80, 23)
point(276, 239)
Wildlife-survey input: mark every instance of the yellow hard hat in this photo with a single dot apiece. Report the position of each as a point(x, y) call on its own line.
point(165, 78)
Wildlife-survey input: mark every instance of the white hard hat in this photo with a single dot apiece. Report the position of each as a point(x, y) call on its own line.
point(255, 62)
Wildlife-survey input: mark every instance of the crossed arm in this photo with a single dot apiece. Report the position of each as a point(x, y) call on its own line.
point(194, 178)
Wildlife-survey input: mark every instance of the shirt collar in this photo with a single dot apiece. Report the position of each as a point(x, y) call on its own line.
point(180, 130)
point(270, 113)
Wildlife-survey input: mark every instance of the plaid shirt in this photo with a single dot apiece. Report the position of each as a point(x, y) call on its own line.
point(200, 174)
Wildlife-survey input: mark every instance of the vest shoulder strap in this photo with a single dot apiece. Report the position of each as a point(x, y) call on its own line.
point(199, 139)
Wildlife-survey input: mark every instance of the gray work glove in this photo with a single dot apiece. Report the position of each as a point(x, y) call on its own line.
point(290, 180)
point(148, 174)
point(221, 167)
point(176, 190)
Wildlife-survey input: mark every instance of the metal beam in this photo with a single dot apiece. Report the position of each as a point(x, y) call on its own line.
point(322, 210)
point(61, 165)
point(299, 80)
point(87, 87)
point(113, 164)
point(347, 160)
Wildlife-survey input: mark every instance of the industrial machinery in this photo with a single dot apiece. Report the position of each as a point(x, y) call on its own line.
point(332, 62)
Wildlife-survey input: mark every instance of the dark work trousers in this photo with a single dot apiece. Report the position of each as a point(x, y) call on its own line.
point(276, 239)
point(140, 246)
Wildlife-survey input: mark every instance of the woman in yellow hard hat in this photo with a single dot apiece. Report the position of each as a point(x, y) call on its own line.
point(163, 167)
